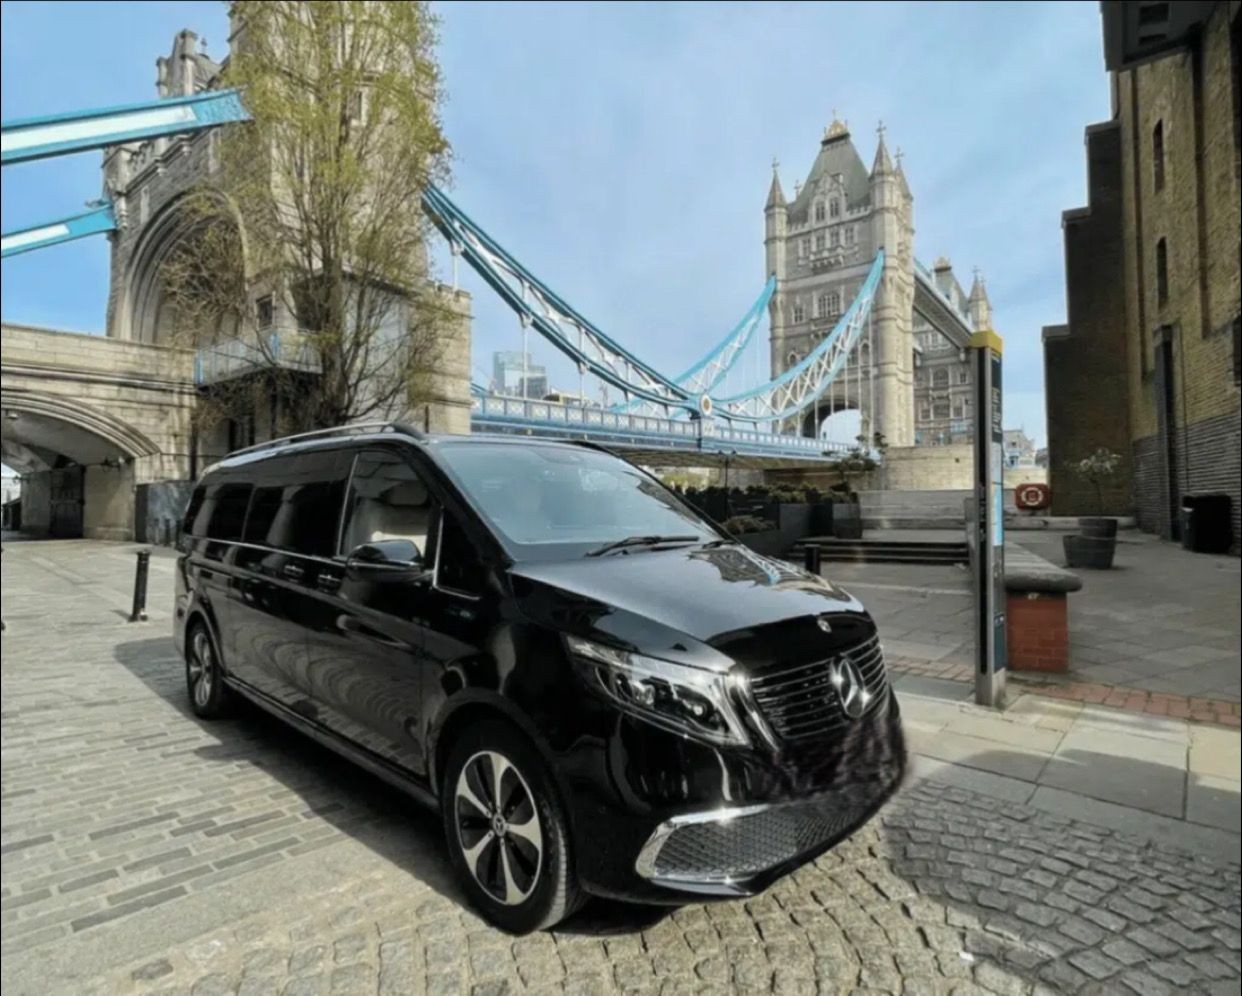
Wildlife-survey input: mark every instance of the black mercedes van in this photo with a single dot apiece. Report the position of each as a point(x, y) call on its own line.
point(599, 690)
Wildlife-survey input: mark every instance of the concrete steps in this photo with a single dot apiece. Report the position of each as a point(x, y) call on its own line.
point(886, 551)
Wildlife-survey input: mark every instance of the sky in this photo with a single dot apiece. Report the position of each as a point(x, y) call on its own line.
point(623, 151)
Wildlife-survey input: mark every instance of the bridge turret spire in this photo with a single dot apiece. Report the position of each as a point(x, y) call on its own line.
point(776, 196)
point(883, 161)
point(979, 305)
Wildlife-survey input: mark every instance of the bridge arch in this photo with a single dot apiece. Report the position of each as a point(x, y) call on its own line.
point(77, 462)
point(147, 312)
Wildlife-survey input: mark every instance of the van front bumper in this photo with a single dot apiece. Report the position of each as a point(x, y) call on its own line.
point(736, 851)
point(766, 816)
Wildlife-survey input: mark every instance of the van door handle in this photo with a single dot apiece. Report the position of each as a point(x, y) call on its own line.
point(293, 572)
point(329, 582)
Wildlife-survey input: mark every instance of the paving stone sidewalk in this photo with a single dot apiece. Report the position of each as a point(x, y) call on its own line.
point(1160, 633)
point(144, 851)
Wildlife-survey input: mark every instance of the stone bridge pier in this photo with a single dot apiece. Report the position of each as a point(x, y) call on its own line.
point(92, 424)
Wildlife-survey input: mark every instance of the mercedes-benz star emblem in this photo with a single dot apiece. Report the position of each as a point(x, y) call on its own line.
point(849, 686)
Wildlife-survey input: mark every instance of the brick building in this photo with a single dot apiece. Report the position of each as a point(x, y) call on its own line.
point(1147, 364)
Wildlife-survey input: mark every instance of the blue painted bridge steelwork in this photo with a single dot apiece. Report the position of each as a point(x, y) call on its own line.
point(691, 415)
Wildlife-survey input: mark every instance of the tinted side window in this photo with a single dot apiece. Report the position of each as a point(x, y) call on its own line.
point(312, 487)
point(387, 500)
point(263, 508)
point(460, 567)
point(227, 504)
point(192, 512)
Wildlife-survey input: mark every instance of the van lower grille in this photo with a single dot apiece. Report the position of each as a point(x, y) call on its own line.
point(799, 701)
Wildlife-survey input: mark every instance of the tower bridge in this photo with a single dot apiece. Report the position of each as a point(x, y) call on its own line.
point(106, 424)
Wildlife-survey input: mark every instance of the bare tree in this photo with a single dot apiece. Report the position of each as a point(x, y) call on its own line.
point(325, 183)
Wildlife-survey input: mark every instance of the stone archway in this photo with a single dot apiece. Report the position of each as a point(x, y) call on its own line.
point(77, 464)
point(148, 312)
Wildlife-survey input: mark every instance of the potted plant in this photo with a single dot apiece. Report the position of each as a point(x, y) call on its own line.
point(1096, 544)
point(850, 466)
point(761, 535)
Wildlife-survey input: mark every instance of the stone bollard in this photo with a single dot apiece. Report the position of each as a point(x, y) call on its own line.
point(811, 554)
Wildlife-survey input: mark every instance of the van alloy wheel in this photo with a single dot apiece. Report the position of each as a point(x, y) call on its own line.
point(202, 669)
point(204, 677)
point(498, 827)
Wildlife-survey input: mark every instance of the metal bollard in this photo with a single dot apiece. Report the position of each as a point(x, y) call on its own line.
point(812, 553)
point(139, 613)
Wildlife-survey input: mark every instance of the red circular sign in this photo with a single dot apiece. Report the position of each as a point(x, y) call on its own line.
point(1032, 496)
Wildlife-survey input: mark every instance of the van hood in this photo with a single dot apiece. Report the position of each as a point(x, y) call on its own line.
point(705, 592)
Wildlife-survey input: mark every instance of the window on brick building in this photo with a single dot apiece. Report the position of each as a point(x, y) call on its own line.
point(819, 241)
point(799, 313)
point(940, 378)
point(1157, 155)
point(1162, 271)
point(804, 247)
point(942, 409)
point(834, 237)
point(821, 306)
point(835, 208)
point(963, 376)
point(834, 303)
point(819, 211)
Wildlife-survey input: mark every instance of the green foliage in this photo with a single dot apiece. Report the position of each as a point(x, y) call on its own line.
point(1100, 468)
point(740, 524)
point(326, 182)
point(858, 462)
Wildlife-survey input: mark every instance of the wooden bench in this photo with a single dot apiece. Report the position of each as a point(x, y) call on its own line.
point(1037, 612)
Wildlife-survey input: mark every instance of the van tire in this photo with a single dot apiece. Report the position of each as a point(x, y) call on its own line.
point(512, 857)
point(210, 698)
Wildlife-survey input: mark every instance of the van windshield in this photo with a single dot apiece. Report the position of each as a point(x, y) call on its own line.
point(552, 502)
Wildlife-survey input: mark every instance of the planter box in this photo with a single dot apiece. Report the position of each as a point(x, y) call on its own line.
point(793, 520)
point(821, 518)
point(770, 542)
point(847, 520)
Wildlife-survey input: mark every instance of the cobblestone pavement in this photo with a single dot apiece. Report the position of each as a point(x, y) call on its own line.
point(144, 851)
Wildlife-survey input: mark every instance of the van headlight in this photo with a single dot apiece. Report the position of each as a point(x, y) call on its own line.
point(677, 697)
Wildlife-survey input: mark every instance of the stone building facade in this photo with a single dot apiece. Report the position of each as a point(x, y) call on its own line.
point(820, 246)
point(148, 183)
point(1148, 364)
point(943, 382)
point(107, 432)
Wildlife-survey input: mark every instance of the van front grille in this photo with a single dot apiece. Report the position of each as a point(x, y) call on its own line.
point(799, 701)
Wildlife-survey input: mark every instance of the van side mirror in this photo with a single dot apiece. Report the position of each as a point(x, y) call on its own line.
point(385, 560)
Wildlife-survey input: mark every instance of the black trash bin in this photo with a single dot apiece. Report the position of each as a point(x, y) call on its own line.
point(1207, 525)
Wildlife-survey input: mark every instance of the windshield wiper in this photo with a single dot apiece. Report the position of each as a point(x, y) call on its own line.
point(632, 541)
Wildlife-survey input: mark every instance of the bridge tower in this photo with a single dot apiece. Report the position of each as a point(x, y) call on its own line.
point(820, 246)
point(892, 226)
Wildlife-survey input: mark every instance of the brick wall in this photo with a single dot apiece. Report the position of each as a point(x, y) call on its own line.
point(1207, 456)
point(1186, 198)
point(1087, 405)
point(1037, 631)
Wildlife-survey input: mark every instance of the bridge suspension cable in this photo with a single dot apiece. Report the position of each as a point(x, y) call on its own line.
point(803, 384)
point(554, 319)
point(710, 370)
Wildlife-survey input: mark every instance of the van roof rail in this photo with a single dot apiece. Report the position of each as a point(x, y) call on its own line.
point(353, 429)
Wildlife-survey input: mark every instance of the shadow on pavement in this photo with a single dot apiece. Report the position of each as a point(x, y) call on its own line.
point(359, 804)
